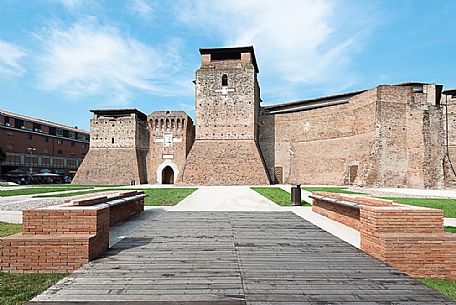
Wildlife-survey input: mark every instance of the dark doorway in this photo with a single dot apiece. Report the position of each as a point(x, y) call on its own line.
point(168, 175)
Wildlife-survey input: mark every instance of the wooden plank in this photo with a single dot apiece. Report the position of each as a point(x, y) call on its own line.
point(237, 258)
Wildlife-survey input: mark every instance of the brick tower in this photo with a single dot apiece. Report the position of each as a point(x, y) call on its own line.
point(118, 147)
point(225, 151)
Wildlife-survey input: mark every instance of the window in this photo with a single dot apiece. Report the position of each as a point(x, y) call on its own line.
point(225, 80)
point(46, 139)
point(29, 136)
point(59, 142)
point(52, 131)
point(60, 152)
point(18, 123)
point(36, 127)
point(112, 140)
point(7, 121)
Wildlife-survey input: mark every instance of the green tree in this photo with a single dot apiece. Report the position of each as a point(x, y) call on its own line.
point(2, 156)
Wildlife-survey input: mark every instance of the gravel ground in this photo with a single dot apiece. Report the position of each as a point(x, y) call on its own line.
point(20, 204)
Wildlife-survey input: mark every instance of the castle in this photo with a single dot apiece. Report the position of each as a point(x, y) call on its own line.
point(391, 135)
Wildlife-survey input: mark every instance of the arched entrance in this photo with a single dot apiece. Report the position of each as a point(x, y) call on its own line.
point(168, 175)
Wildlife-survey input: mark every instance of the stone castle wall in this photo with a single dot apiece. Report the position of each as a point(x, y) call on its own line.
point(320, 144)
point(234, 162)
point(225, 150)
point(169, 144)
point(387, 136)
point(117, 151)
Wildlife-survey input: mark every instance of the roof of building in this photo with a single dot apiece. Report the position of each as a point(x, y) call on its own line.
point(120, 111)
point(305, 104)
point(246, 49)
point(323, 101)
point(40, 121)
point(449, 91)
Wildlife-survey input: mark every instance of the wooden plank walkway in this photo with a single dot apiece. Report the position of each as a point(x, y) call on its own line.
point(231, 258)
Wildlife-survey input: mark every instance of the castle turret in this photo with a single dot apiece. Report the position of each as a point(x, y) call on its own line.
point(171, 137)
point(118, 147)
point(227, 107)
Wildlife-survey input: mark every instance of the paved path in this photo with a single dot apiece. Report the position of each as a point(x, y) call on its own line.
point(237, 258)
point(223, 198)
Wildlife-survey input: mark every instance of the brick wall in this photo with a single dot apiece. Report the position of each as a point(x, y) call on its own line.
point(118, 149)
point(229, 162)
point(225, 151)
point(179, 127)
point(346, 215)
point(408, 238)
point(393, 135)
point(63, 238)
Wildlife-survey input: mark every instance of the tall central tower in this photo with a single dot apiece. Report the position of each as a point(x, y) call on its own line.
point(227, 108)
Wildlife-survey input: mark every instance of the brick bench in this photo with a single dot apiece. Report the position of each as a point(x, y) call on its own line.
point(343, 208)
point(409, 238)
point(64, 237)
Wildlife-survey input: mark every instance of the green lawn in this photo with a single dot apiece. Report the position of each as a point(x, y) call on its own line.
point(68, 185)
point(447, 288)
point(73, 193)
point(20, 288)
point(9, 228)
point(447, 205)
point(340, 190)
point(168, 196)
point(277, 195)
point(37, 190)
point(158, 196)
point(450, 229)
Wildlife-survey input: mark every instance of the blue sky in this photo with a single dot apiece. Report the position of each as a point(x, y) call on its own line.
point(61, 58)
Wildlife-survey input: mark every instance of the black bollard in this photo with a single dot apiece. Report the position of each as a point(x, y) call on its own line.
point(296, 194)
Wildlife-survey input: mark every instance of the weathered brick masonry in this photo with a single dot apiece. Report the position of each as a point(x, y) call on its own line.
point(387, 136)
point(408, 238)
point(227, 108)
point(63, 238)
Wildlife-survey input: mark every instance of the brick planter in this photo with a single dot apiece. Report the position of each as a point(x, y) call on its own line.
point(408, 238)
point(62, 238)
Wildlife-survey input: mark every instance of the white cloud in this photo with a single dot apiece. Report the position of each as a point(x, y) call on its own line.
point(71, 4)
point(141, 7)
point(10, 56)
point(297, 42)
point(92, 60)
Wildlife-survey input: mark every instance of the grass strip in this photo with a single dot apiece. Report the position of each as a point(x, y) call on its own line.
point(277, 195)
point(445, 287)
point(450, 229)
point(36, 190)
point(20, 288)
point(9, 228)
point(166, 196)
point(447, 205)
point(340, 190)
